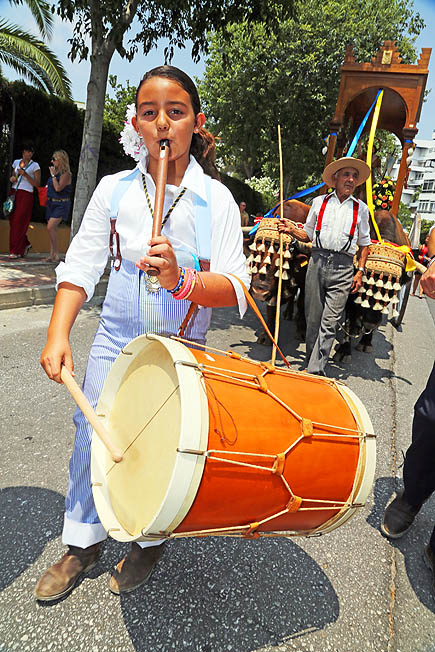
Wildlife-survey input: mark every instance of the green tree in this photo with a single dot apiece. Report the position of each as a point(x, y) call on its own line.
point(29, 56)
point(104, 24)
point(259, 79)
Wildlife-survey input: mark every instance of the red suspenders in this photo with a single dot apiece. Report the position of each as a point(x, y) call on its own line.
point(320, 219)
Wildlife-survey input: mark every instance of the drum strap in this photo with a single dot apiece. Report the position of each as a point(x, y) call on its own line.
point(253, 305)
point(118, 193)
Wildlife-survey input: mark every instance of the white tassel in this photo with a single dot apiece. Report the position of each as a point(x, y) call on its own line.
point(267, 260)
point(371, 280)
point(358, 299)
point(261, 247)
point(263, 270)
point(396, 285)
point(388, 285)
point(253, 247)
point(287, 254)
point(386, 298)
point(285, 265)
point(365, 304)
point(380, 283)
point(276, 273)
point(271, 249)
point(395, 313)
point(395, 300)
point(378, 295)
point(377, 306)
point(254, 269)
point(258, 258)
point(365, 279)
point(386, 309)
point(284, 276)
point(250, 259)
point(370, 292)
point(362, 289)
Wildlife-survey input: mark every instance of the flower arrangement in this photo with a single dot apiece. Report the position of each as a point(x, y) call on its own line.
point(383, 193)
point(130, 140)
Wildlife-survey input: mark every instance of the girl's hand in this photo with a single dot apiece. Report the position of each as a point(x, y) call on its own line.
point(162, 256)
point(52, 170)
point(12, 179)
point(55, 354)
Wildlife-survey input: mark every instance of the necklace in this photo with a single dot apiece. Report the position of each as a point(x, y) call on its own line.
point(152, 283)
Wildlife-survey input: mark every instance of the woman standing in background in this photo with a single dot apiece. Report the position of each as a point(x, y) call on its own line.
point(59, 190)
point(26, 175)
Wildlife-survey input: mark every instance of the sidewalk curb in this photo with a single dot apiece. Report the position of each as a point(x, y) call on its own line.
point(42, 295)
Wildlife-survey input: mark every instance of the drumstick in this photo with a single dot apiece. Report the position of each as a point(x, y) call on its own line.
point(162, 174)
point(89, 413)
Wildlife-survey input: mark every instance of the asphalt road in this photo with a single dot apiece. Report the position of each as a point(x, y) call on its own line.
point(347, 591)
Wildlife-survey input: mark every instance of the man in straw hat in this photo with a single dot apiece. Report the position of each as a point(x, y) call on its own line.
point(336, 224)
point(419, 465)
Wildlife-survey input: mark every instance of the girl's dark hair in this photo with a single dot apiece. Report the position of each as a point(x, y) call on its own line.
point(203, 146)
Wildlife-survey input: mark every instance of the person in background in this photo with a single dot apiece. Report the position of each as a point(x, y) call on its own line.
point(419, 465)
point(26, 175)
point(423, 258)
point(58, 199)
point(244, 217)
point(336, 224)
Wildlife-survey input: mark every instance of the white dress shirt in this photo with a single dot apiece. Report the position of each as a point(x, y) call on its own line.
point(24, 183)
point(88, 252)
point(337, 222)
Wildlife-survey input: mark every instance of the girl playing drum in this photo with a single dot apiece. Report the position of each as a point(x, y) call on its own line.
point(167, 107)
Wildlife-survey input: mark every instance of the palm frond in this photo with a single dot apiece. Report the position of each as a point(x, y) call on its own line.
point(41, 12)
point(24, 49)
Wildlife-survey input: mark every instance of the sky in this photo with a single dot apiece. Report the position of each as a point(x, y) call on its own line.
point(78, 73)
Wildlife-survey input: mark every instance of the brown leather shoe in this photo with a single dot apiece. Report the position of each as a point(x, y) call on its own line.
point(135, 569)
point(61, 578)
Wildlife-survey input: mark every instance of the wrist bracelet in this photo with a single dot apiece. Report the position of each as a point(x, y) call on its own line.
point(432, 260)
point(361, 269)
point(187, 285)
point(179, 282)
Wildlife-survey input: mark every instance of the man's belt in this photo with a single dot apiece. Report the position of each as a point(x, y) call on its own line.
point(59, 201)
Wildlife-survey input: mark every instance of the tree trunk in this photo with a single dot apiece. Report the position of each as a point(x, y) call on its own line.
point(87, 173)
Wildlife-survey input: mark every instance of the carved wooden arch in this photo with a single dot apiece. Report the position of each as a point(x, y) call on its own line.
point(359, 84)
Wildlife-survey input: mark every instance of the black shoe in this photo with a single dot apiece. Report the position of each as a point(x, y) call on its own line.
point(398, 517)
point(135, 569)
point(429, 560)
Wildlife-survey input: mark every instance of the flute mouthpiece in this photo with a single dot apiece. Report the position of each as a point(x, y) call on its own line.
point(164, 143)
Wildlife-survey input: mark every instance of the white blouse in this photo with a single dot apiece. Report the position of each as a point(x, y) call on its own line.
point(88, 252)
point(24, 184)
point(337, 222)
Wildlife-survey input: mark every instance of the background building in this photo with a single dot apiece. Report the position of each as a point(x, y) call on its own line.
point(419, 195)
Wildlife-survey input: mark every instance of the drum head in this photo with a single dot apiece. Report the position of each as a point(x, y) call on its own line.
point(152, 406)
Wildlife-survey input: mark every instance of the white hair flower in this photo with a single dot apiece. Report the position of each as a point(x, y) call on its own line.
point(130, 140)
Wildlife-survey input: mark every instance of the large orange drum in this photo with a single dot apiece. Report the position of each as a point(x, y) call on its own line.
point(217, 445)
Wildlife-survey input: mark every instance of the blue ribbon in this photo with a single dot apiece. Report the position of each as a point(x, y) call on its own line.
point(308, 191)
point(361, 127)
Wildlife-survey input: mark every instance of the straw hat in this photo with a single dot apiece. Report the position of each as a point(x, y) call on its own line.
point(346, 162)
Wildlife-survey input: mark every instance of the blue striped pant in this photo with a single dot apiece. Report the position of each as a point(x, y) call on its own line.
point(128, 311)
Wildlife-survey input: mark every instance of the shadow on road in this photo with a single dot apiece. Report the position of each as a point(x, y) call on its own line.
point(30, 517)
point(229, 594)
point(412, 544)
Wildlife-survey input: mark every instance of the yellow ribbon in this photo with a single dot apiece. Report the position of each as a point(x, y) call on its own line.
point(369, 188)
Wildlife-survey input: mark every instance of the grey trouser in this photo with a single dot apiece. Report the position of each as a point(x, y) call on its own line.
point(329, 279)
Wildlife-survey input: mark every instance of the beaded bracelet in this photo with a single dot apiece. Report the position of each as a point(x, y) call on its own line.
point(432, 260)
point(179, 282)
point(192, 286)
point(187, 285)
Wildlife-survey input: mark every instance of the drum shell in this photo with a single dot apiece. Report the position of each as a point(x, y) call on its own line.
point(233, 415)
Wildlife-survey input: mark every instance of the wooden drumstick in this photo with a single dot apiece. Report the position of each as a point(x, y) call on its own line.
point(89, 413)
point(162, 174)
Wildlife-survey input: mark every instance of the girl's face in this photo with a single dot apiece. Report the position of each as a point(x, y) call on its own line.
point(27, 155)
point(164, 110)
